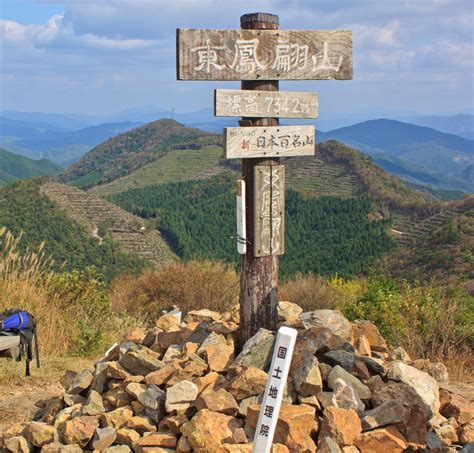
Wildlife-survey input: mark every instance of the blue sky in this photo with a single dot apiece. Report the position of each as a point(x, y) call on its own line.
point(99, 56)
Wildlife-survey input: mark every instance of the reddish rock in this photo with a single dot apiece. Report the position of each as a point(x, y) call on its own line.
point(80, 430)
point(40, 434)
point(136, 335)
point(217, 401)
point(208, 430)
point(294, 427)
point(370, 331)
point(456, 406)
point(342, 425)
point(157, 440)
point(384, 440)
point(205, 381)
point(247, 381)
point(17, 444)
point(219, 357)
point(127, 437)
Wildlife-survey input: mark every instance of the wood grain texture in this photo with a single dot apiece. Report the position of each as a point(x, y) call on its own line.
point(255, 104)
point(263, 54)
point(269, 205)
point(269, 141)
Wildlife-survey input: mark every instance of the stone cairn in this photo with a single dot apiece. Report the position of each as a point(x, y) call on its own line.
point(179, 387)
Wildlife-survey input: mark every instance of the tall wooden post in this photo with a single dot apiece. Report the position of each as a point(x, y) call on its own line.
point(259, 275)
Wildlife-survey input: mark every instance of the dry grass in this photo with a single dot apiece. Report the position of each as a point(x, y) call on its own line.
point(25, 282)
point(309, 292)
point(190, 286)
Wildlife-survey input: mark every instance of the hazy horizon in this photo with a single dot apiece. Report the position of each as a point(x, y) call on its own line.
point(105, 56)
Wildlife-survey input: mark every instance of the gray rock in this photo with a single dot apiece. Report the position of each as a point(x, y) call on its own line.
point(246, 402)
point(328, 445)
point(94, 404)
point(180, 396)
point(104, 438)
point(326, 399)
point(172, 353)
point(150, 336)
point(117, 449)
point(362, 390)
point(422, 383)
point(100, 377)
point(135, 389)
point(257, 350)
point(211, 339)
point(199, 334)
point(333, 320)
point(388, 413)
point(342, 358)
point(307, 377)
point(153, 397)
point(141, 361)
point(399, 354)
point(372, 365)
point(72, 400)
point(81, 382)
point(345, 396)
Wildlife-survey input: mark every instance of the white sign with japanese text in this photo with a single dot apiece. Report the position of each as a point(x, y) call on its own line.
point(275, 389)
point(271, 104)
point(264, 54)
point(269, 141)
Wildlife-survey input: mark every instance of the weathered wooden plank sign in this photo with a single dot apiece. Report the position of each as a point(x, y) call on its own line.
point(241, 218)
point(269, 216)
point(264, 54)
point(273, 104)
point(274, 390)
point(271, 141)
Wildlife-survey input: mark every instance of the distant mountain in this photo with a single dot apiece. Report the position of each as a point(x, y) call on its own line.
point(417, 154)
point(13, 167)
point(124, 153)
point(41, 140)
point(461, 124)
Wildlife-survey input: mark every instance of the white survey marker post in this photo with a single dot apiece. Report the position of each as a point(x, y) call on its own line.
point(275, 389)
point(241, 227)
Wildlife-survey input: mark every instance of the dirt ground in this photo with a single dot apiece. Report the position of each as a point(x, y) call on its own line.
point(18, 394)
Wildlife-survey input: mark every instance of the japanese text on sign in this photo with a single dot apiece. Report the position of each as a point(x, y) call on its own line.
point(264, 54)
point(274, 104)
point(277, 141)
point(274, 391)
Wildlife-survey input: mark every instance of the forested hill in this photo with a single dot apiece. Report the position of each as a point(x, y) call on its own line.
point(124, 153)
point(13, 166)
point(79, 230)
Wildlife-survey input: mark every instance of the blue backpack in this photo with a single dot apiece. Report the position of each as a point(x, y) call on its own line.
point(23, 324)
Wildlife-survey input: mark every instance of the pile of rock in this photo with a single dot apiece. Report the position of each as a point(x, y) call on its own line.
point(180, 387)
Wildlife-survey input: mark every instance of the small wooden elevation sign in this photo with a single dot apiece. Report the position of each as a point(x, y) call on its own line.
point(264, 54)
point(269, 141)
point(273, 104)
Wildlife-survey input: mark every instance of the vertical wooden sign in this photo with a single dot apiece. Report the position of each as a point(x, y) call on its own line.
point(269, 204)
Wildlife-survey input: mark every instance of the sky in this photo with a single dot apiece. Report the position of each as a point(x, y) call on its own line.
point(100, 56)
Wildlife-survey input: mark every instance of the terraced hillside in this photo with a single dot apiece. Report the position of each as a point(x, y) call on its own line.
point(99, 216)
point(125, 153)
point(441, 246)
point(165, 151)
point(176, 165)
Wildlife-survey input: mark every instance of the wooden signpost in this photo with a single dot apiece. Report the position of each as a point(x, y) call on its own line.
point(271, 141)
point(259, 55)
point(264, 54)
point(257, 104)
